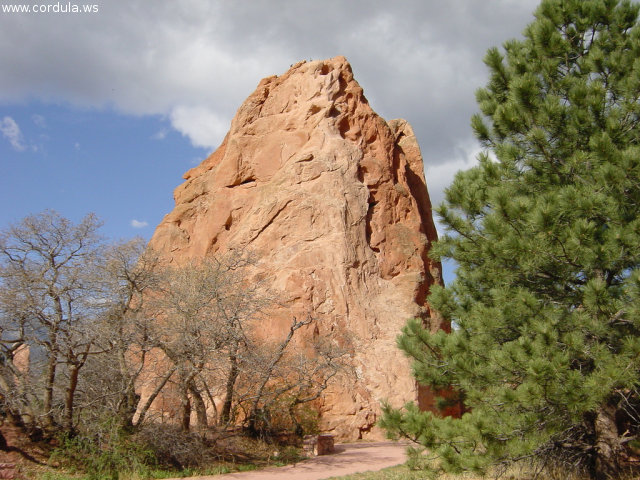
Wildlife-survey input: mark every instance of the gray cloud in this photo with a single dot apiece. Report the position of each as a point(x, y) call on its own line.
point(195, 61)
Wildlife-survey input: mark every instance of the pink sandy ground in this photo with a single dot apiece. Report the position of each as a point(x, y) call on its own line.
point(349, 458)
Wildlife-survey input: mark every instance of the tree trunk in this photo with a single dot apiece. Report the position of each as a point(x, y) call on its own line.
point(53, 362)
point(225, 414)
point(128, 406)
point(47, 404)
point(185, 408)
point(129, 399)
point(608, 446)
point(201, 408)
point(152, 397)
point(69, 398)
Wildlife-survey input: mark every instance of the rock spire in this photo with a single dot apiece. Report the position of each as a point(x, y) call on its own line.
point(333, 201)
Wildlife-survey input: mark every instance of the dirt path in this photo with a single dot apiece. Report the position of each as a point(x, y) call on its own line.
point(349, 458)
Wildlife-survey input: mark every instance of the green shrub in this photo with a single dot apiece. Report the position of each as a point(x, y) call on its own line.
point(105, 457)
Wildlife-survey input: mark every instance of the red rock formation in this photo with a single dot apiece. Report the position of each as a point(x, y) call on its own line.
point(333, 200)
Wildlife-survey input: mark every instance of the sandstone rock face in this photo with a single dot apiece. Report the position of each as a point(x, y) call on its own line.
point(333, 200)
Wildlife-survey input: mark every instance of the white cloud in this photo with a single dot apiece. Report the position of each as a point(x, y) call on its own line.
point(160, 134)
point(204, 127)
point(39, 120)
point(139, 224)
point(11, 131)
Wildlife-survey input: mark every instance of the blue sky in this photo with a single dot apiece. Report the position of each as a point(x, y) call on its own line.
point(103, 112)
point(123, 168)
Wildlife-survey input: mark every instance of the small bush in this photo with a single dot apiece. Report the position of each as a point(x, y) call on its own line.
point(159, 451)
point(177, 449)
point(279, 419)
point(107, 459)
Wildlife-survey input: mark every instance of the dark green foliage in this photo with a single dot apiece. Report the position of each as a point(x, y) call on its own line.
point(546, 234)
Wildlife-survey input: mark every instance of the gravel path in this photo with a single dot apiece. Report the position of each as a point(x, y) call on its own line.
point(349, 458)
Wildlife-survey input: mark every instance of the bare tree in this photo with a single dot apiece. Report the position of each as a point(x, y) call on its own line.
point(50, 307)
point(288, 376)
point(125, 274)
point(202, 310)
point(84, 324)
point(208, 315)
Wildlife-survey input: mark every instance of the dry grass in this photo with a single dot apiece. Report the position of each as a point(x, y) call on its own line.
point(400, 473)
point(403, 472)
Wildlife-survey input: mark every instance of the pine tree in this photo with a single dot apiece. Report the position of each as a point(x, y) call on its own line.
point(545, 231)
